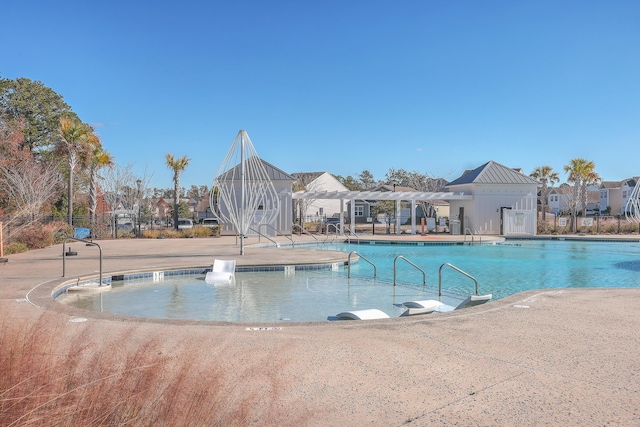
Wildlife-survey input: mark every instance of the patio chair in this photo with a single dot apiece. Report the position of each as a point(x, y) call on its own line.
point(222, 271)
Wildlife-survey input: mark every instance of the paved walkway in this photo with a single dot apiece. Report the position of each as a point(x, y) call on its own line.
point(552, 357)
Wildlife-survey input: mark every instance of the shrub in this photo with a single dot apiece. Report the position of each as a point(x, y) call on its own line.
point(101, 231)
point(38, 236)
point(61, 230)
point(15, 248)
point(169, 233)
point(165, 233)
point(122, 234)
point(198, 232)
point(628, 227)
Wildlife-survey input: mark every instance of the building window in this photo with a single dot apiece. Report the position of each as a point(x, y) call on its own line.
point(359, 210)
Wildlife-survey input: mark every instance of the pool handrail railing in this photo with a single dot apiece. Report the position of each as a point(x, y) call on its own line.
point(375, 270)
point(424, 275)
point(446, 264)
point(305, 231)
point(88, 243)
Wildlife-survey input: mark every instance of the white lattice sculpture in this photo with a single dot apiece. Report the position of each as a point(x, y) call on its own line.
point(242, 188)
point(632, 210)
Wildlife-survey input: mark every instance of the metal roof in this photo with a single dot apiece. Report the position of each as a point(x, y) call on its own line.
point(273, 172)
point(380, 195)
point(493, 173)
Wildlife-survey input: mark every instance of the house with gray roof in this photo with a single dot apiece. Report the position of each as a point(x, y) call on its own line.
point(504, 201)
point(615, 195)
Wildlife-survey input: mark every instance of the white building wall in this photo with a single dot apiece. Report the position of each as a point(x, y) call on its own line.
point(482, 213)
point(323, 207)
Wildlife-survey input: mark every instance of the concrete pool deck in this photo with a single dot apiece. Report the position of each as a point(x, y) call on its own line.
point(551, 357)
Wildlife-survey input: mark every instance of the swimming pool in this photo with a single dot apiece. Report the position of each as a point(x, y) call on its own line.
point(501, 270)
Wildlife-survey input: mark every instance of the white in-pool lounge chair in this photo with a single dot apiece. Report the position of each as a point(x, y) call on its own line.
point(420, 307)
point(368, 314)
point(473, 300)
point(222, 271)
point(429, 306)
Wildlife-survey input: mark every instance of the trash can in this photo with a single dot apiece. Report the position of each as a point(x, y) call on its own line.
point(454, 227)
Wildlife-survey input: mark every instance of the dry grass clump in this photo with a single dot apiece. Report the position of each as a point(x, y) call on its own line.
point(46, 382)
point(169, 233)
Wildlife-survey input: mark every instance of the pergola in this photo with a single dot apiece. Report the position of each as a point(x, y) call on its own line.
point(352, 196)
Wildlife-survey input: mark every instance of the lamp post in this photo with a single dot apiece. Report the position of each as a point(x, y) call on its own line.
point(139, 183)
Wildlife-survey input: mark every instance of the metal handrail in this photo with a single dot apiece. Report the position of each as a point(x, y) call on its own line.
point(479, 236)
point(350, 233)
point(472, 236)
point(88, 243)
point(306, 232)
point(446, 264)
point(424, 275)
point(274, 229)
point(327, 233)
point(266, 237)
point(465, 235)
point(375, 270)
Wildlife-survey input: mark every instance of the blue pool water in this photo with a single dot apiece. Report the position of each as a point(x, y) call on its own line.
point(318, 295)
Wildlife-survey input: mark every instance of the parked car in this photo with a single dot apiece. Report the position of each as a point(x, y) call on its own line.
point(183, 224)
point(333, 220)
point(210, 222)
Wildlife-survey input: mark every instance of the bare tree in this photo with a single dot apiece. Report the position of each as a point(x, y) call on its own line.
point(113, 183)
point(30, 185)
point(302, 205)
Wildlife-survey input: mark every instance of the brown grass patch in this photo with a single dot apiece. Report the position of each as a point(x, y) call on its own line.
point(49, 380)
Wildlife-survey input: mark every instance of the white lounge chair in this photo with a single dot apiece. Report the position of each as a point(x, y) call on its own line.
point(222, 271)
point(429, 306)
point(368, 314)
point(474, 300)
point(421, 307)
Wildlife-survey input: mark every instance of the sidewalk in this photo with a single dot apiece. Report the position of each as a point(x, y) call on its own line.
point(552, 357)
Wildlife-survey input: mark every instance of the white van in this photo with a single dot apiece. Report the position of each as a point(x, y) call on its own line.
point(184, 223)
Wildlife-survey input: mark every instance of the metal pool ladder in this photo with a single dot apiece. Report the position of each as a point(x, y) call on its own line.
point(446, 264)
point(361, 256)
point(472, 236)
point(424, 275)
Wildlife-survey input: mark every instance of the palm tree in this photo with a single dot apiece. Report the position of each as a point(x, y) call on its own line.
point(581, 175)
point(548, 178)
point(100, 158)
point(73, 139)
point(177, 165)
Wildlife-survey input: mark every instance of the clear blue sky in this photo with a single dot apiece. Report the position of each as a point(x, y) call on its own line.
point(433, 86)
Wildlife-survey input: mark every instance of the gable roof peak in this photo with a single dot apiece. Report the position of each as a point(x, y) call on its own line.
point(494, 173)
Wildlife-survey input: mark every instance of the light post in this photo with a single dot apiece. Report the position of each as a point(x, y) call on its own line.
point(139, 183)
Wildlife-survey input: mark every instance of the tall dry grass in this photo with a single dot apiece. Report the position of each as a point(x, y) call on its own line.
point(44, 382)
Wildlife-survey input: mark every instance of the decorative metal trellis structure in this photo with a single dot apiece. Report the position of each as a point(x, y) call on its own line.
point(632, 210)
point(242, 188)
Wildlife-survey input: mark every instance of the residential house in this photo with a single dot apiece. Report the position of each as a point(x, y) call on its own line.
point(559, 200)
point(160, 210)
point(615, 196)
point(314, 210)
